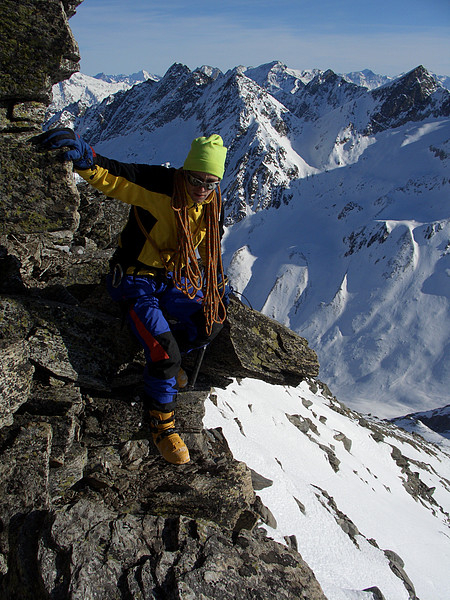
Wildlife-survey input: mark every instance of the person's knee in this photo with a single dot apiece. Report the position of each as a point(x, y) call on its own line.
point(169, 366)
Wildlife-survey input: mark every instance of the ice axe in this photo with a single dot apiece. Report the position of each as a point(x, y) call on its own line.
point(197, 365)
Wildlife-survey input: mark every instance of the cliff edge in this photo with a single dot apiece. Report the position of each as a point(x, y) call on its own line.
point(88, 509)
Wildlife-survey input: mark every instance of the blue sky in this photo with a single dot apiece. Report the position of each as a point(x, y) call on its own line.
point(387, 36)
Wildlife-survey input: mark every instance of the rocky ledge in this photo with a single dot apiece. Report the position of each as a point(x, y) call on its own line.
point(88, 508)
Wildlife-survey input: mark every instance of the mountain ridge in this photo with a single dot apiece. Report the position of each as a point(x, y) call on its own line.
point(62, 99)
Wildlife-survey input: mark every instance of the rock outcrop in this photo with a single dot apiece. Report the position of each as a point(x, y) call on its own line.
point(88, 509)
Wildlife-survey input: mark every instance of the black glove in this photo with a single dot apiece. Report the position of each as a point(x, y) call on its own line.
point(80, 152)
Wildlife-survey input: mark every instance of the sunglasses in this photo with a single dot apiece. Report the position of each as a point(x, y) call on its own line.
point(196, 182)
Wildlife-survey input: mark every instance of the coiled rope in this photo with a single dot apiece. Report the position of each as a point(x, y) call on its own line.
point(187, 274)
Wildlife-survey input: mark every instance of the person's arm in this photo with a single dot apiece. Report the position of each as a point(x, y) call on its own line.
point(129, 182)
point(125, 181)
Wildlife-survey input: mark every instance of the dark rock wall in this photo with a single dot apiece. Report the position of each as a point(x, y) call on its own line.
point(37, 50)
point(88, 509)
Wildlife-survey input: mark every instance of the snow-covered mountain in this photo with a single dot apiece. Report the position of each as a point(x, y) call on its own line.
point(371, 80)
point(444, 80)
point(73, 96)
point(367, 78)
point(365, 503)
point(432, 425)
point(129, 80)
point(351, 249)
point(79, 92)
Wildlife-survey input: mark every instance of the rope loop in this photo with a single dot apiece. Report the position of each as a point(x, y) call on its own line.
point(187, 274)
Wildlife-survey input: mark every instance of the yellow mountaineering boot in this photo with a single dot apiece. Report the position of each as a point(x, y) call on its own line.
point(170, 445)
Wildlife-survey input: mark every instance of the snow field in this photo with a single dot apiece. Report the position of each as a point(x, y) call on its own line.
point(368, 488)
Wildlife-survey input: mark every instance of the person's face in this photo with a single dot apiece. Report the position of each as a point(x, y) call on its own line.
point(197, 184)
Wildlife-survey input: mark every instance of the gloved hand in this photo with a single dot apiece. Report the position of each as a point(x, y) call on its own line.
point(80, 152)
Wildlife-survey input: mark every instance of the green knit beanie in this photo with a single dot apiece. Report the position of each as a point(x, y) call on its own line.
point(207, 155)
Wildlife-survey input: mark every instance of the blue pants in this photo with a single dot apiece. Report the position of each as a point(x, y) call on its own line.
point(152, 303)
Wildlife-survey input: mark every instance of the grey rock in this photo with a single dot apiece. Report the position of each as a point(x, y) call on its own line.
point(26, 73)
point(291, 541)
point(24, 475)
point(411, 481)
point(101, 218)
point(300, 505)
point(397, 567)
point(78, 345)
point(57, 398)
point(65, 476)
point(88, 508)
point(259, 482)
point(344, 522)
point(341, 437)
point(265, 514)
point(16, 373)
point(376, 593)
point(92, 552)
point(278, 355)
point(303, 424)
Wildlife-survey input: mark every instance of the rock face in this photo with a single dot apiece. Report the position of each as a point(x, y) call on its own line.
point(88, 509)
point(37, 51)
point(408, 99)
point(74, 450)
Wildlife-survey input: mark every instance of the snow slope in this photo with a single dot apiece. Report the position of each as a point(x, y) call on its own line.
point(339, 486)
point(359, 265)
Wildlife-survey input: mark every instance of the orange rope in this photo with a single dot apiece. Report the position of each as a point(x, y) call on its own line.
point(213, 307)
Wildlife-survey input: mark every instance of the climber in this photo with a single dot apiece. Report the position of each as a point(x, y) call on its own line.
point(175, 302)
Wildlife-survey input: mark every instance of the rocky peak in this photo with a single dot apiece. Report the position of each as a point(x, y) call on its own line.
point(328, 77)
point(367, 78)
point(324, 93)
point(412, 97)
point(328, 81)
point(268, 75)
point(174, 75)
point(278, 79)
point(148, 105)
point(418, 83)
point(211, 72)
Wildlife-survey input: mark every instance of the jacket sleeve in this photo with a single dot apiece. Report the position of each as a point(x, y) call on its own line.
point(128, 182)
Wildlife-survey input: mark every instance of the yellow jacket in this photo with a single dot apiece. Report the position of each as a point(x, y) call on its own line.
point(149, 239)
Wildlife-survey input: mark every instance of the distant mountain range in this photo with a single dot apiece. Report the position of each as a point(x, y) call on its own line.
point(81, 91)
point(337, 203)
